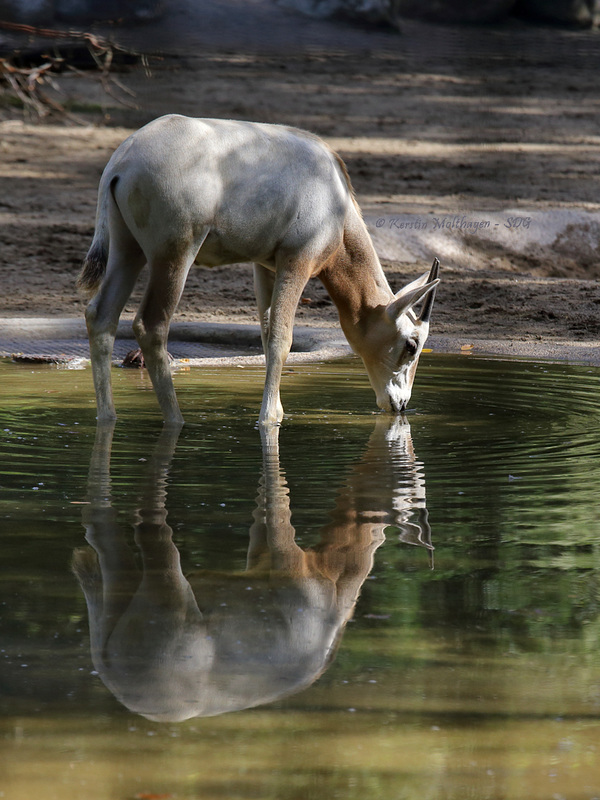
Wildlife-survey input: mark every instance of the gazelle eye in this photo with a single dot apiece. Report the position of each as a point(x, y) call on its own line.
point(411, 347)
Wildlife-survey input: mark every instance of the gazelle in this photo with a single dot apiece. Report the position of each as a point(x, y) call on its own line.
point(184, 191)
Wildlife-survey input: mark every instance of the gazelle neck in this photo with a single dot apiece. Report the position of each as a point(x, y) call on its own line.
point(355, 279)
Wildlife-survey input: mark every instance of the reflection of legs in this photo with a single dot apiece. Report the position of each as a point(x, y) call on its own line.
point(102, 317)
point(107, 573)
point(151, 328)
point(272, 535)
point(163, 582)
point(290, 280)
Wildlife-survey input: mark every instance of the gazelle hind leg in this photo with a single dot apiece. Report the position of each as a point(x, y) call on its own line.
point(151, 328)
point(102, 318)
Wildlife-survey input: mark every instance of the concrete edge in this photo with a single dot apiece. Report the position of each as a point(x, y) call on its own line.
point(310, 344)
point(32, 329)
point(573, 352)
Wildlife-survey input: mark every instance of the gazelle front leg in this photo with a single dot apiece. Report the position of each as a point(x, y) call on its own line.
point(290, 280)
point(264, 283)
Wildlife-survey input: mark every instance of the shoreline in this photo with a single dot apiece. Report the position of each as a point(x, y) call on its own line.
point(227, 344)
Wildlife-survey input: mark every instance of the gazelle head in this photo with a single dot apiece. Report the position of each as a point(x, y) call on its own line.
point(395, 340)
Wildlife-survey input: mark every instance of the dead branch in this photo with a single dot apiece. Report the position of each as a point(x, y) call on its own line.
point(56, 33)
point(29, 84)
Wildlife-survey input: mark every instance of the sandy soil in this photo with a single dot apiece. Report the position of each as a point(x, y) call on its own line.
point(431, 122)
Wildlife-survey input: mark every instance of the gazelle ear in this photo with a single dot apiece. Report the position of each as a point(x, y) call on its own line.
point(410, 287)
point(414, 292)
point(428, 304)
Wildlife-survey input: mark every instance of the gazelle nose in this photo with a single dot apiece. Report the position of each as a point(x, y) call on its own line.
point(391, 404)
point(398, 407)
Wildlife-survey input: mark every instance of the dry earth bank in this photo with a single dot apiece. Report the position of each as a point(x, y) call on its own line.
point(434, 124)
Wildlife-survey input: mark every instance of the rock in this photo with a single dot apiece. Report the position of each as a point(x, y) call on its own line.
point(456, 11)
point(27, 12)
point(576, 13)
point(82, 11)
point(371, 10)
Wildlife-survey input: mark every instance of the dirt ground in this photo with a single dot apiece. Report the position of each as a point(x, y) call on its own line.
point(430, 121)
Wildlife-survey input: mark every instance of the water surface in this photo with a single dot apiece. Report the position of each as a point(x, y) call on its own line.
point(309, 602)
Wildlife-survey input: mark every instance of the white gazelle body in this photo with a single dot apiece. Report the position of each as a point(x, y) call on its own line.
point(183, 191)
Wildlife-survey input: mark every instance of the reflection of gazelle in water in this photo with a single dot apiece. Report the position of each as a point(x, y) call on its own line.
point(171, 647)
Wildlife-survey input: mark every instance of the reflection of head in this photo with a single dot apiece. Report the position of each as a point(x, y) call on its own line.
point(170, 647)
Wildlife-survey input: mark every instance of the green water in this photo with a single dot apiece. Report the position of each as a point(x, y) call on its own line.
point(479, 678)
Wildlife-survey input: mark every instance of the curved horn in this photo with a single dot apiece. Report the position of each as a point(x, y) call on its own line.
point(428, 304)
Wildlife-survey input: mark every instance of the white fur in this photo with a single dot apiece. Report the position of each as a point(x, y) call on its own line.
point(183, 191)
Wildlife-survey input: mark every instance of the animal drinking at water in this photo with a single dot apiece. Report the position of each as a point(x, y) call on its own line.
point(181, 192)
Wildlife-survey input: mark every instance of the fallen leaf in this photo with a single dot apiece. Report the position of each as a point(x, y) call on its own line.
point(151, 796)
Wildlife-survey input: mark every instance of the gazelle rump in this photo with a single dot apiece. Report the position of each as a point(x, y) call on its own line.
point(209, 192)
